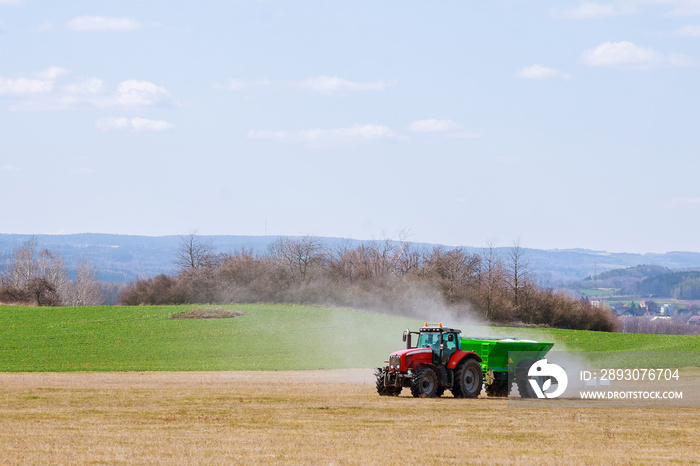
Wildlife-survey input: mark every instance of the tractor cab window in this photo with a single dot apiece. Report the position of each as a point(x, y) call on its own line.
point(429, 340)
point(449, 341)
point(449, 346)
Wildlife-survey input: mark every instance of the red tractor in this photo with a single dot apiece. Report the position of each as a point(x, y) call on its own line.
point(437, 363)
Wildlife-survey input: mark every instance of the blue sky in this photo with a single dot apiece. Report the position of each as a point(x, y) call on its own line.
point(563, 124)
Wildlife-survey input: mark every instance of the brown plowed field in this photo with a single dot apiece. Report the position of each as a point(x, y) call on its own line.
point(310, 417)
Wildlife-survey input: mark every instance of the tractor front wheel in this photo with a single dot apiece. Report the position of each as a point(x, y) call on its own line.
point(424, 384)
point(383, 390)
point(468, 379)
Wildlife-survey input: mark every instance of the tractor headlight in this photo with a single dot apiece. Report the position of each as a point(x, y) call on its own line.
point(395, 362)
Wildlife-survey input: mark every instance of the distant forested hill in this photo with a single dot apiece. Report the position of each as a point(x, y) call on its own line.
point(124, 258)
point(678, 285)
point(648, 280)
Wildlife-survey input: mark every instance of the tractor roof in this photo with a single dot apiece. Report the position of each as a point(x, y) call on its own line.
point(438, 328)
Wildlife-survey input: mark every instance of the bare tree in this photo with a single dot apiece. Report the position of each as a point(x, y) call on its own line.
point(193, 252)
point(518, 271)
point(299, 256)
point(405, 259)
point(43, 278)
point(380, 257)
point(40, 278)
point(86, 288)
point(49, 266)
point(454, 269)
point(491, 276)
point(22, 267)
point(43, 292)
point(390, 258)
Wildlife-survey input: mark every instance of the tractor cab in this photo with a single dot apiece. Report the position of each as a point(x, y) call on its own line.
point(443, 341)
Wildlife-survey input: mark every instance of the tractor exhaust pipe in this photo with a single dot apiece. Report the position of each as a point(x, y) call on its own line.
point(407, 338)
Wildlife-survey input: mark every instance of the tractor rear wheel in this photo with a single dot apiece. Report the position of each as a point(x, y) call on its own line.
point(468, 379)
point(424, 384)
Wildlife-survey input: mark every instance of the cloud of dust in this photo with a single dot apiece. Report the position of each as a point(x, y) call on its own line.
point(419, 303)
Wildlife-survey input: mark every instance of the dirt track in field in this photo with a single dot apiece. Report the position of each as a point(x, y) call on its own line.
point(307, 417)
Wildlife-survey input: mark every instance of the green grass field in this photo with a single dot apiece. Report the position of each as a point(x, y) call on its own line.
point(267, 337)
point(598, 292)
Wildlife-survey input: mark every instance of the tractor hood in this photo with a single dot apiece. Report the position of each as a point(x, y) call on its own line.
point(412, 352)
point(406, 359)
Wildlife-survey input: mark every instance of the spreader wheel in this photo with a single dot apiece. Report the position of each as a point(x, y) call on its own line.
point(522, 380)
point(498, 388)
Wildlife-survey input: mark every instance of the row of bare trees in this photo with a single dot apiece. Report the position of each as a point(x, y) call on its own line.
point(388, 275)
point(37, 276)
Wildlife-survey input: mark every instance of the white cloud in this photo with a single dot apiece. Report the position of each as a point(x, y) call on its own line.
point(134, 93)
point(621, 54)
point(102, 23)
point(317, 138)
point(10, 2)
point(236, 85)
point(432, 125)
point(689, 31)
point(9, 168)
point(449, 128)
point(132, 124)
point(588, 10)
point(52, 73)
point(144, 124)
point(41, 82)
point(626, 54)
point(541, 72)
point(84, 86)
point(323, 84)
point(43, 27)
point(334, 84)
point(45, 90)
point(680, 7)
point(21, 86)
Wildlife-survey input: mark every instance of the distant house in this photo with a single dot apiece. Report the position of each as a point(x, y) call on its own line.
point(658, 318)
point(595, 303)
point(623, 311)
point(695, 320)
